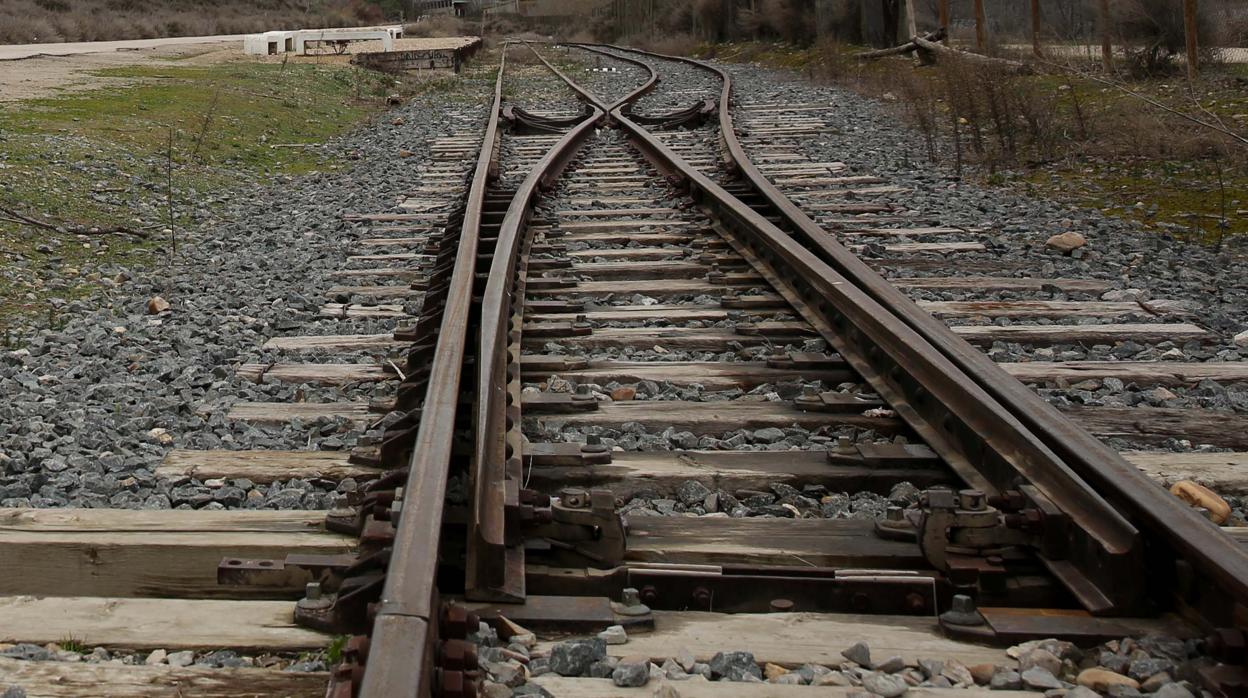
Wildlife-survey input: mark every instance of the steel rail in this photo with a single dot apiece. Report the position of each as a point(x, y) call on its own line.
point(980, 439)
point(405, 629)
point(495, 569)
point(495, 468)
point(1190, 535)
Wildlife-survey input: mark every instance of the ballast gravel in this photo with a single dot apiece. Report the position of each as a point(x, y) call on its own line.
point(94, 402)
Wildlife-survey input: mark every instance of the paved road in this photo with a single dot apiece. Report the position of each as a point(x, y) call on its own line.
point(17, 51)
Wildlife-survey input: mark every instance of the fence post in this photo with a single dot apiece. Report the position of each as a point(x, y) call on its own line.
point(1107, 49)
point(981, 41)
point(1189, 27)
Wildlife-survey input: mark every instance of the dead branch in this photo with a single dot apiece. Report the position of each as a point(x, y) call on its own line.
point(942, 50)
point(898, 50)
point(22, 219)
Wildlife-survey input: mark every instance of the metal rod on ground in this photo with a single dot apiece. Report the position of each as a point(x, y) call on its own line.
point(1107, 48)
point(1189, 28)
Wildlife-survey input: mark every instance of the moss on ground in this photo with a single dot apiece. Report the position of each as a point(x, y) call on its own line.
point(100, 159)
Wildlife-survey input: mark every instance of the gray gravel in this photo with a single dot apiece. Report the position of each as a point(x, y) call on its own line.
point(94, 402)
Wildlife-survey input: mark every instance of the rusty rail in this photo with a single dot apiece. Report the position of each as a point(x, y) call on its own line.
point(405, 631)
point(991, 428)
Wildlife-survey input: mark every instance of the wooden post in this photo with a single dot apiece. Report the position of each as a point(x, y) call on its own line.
point(944, 19)
point(981, 41)
point(1189, 27)
point(1035, 28)
point(1107, 49)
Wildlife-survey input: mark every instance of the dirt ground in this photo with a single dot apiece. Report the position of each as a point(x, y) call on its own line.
point(49, 75)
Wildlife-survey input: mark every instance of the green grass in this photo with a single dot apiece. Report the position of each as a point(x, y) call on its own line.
point(1108, 150)
point(98, 158)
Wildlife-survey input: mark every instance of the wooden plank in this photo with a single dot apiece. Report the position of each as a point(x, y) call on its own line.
point(676, 313)
point(1156, 424)
point(563, 687)
point(76, 679)
point(990, 283)
point(340, 310)
point(1099, 334)
point(383, 291)
point(663, 288)
point(320, 374)
point(638, 253)
point(631, 472)
point(1141, 372)
point(930, 247)
point(638, 271)
point(279, 412)
point(792, 639)
point(686, 339)
point(607, 213)
point(703, 540)
point(711, 375)
point(1033, 308)
point(148, 624)
point(167, 553)
point(716, 417)
point(262, 467)
point(335, 342)
point(1225, 473)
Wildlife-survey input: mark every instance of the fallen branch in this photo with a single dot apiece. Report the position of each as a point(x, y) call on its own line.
point(942, 50)
point(20, 218)
point(898, 50)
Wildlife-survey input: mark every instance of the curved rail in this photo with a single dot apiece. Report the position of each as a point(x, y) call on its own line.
point(406, 624)
point(1113, 477)
point(495, 570)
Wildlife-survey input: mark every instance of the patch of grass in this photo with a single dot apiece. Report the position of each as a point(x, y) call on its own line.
point(1062, 134)
point(99, 159)
point(72, 644)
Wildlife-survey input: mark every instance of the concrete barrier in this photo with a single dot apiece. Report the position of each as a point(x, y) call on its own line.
point(278, 42)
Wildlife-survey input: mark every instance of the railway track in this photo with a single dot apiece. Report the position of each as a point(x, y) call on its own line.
point(636, 383)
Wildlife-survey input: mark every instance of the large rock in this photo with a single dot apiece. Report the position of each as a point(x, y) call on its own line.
point(631, 672)
point(1040, 679)
point(574, 657)
point(1100, 680)
point(886, 685)
point(735, 666)
point(1066, 242)
point(859, 654)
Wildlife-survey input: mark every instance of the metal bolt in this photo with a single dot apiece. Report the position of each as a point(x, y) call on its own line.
point(593, 439)
point(962, 611)
point(574, 497)
point(312, 591)
point(631, 597)
point(781, 605)
point(894, 514)
point(809, 391)
point(844, 446)
point(971, 500)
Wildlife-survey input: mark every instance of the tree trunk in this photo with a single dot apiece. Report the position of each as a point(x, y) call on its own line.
point(944, 19)
point(1035, 28)
point(1107, 49)
point(1189, 27)
point(981, 39)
